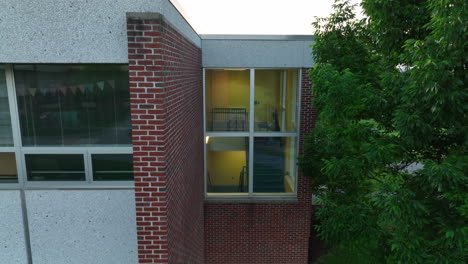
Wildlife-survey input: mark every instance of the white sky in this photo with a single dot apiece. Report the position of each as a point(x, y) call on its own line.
point(291, 17)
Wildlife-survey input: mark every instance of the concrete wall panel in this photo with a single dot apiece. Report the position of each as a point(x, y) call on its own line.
point(12, 242)
point(75, 31)
point(82, 226)
point(225, 53)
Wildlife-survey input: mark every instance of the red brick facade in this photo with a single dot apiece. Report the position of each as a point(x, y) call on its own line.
point(167, 124)
point(273, 232)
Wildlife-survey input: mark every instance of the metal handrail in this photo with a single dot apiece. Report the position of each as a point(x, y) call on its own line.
point(243, 174)
point(235, 119)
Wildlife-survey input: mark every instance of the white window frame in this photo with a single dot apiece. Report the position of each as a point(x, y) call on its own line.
point(251, 134)
point(20, 152)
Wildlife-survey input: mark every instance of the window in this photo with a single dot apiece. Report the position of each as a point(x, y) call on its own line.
point(8, 172)
point(64, 125)
point(251, 120)
point(55, 167)
point(112, 167)
point(73, 104)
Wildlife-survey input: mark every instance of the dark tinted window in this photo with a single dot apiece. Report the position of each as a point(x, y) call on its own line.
point(73, 104)
point(55, 167)
point(112, 167)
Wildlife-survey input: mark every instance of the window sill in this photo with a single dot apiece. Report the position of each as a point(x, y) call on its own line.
point(256, 199)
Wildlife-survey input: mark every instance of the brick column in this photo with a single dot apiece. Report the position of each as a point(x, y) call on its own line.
point(147, 109)
point(166, 102)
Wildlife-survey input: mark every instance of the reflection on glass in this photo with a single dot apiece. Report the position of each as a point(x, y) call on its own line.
point(227, 164)
point(275, 100)
point(112, 167)
point(8, 173)
point(227, 100)
point(274, 164)
point(55, 167)
point(73, 104)
point(6, 137)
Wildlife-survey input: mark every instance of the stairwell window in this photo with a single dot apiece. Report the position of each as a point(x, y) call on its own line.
point(251, 121)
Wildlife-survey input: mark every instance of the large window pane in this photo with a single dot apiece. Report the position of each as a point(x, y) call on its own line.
point(227, 164)
point(274, 164)
point(6, 138)
point(55, 167)
point(276, 100)
point(73, 104)
point(8, 173)
point(227, 100)
point(112, 167)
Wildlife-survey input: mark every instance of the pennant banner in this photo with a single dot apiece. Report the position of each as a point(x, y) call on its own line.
point(90, 87)
point(100, 85)
point(82, 88)
point(32, 91)
point(73, 89)
point(53, 90)
point(112, 84)
point(20, 90)
point(63, 89)
point(43, 90)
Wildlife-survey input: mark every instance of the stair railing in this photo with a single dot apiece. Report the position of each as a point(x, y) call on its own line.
point(242, 178)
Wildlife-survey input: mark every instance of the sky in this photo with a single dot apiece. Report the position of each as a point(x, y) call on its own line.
point(274, 17)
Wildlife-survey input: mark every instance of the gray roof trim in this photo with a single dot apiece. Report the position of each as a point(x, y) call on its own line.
point(256, 37)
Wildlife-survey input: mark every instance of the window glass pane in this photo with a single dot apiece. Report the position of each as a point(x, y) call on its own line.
point(274, 164)
point(227, 100)
point(8, 173)
point(112, 167)
point(73, 104)
point(55, 167)
point(275, 100)
point(6, 137)
point(227, 164)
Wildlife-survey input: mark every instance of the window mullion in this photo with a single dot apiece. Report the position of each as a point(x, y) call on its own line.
point(251, 129)
point(204, 136)
point(15, 125)
point(88, 167)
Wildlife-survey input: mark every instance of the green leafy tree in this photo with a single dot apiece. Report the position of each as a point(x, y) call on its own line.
point(388, 157)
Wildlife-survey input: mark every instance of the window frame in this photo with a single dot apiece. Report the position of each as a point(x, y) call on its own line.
point(20, 152)
point(251, 134)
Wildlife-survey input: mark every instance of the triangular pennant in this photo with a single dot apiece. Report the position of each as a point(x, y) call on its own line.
point(43, 90)
point(112, 83)
point(53, 90)
point(82, 88)
point(20, 90)
point(90, 87)
point(100, 85)
point(63, 89)
point(32, 91)
point(73, 89)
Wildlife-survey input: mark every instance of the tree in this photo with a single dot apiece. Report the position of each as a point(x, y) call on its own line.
point(388, 157)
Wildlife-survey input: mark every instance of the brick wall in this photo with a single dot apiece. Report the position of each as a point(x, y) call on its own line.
point(272, 232)
point(166, 101)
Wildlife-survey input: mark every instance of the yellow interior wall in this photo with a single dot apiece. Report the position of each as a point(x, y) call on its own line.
point(287, 187)
point(225, 88)
point(224, 167)
point(7, 164)
point(291, 100)
point(288, 155)
point(267, 93)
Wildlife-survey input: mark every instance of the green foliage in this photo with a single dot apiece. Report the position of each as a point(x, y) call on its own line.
point(391, 94)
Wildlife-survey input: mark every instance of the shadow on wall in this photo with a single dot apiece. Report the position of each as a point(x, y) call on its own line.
point(317, 248)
